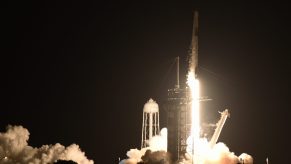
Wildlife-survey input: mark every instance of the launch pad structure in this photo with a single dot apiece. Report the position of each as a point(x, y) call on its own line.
point(178, 122)
point(180, 118)
point(178, 106)
point(182, 121)
point(179, 110)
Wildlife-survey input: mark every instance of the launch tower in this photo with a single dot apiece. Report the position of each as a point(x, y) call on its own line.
point(178, 106)
point(178, 120)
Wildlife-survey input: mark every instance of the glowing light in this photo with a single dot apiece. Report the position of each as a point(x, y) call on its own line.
point(193, 140)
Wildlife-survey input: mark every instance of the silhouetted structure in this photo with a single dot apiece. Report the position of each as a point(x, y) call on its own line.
point(178, 105)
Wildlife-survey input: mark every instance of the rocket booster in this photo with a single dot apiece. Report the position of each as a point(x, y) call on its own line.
point(193, 62)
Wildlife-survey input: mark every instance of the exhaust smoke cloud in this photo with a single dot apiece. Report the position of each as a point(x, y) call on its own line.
point(14, 149)
point(156, 152)
point(218, 154)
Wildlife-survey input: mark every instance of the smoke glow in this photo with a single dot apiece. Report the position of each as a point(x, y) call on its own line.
point(14, 149)
point(157, 145)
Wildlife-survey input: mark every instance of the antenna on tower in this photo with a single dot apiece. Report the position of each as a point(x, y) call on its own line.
point(178, 72)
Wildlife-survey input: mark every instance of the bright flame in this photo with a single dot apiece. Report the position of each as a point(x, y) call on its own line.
point(194, 137)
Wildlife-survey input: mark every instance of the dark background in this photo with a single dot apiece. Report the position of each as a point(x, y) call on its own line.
point(80, 72)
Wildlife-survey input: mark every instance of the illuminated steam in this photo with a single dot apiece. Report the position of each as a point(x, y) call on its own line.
point(204, 154)
point(14, 149)
point(156, 152)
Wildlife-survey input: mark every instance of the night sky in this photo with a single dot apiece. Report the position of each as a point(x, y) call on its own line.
point(80, 72)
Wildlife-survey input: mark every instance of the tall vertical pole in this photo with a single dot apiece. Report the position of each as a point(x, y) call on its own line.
point(178, 71)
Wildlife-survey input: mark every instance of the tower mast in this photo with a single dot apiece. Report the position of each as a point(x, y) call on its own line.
point(178, 72)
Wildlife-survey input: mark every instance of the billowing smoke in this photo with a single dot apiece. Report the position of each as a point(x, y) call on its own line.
point(156, 157)
point(245, 158)
point(155, 153)
point(218, 154)
point(15, 149)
